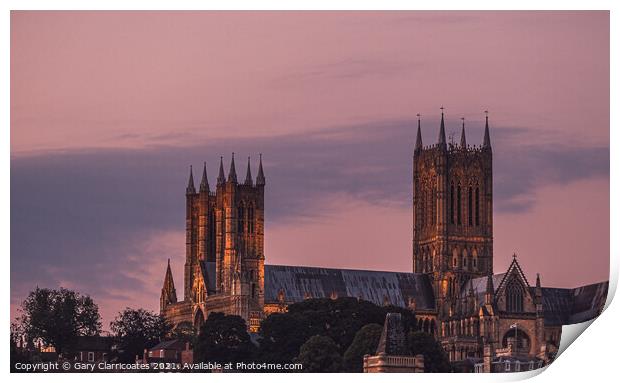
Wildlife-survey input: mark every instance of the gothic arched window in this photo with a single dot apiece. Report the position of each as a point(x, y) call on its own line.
point(452, 204)
point(514, 296)
point(251, 219)
point(240, 219)
point(422, 209)
point(477, 206)
point(458, 204)
point(470, 214)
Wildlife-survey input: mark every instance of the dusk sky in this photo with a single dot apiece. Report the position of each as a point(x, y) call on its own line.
point(109, 109)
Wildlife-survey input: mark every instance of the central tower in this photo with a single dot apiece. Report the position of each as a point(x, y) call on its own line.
point(452, 211)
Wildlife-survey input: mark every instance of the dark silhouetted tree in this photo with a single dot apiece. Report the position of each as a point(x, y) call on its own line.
point(282, 334)
point(319, 354)
point(134, 330)
point(184, 331)
point(435, 358)
point(365, 342)
point(224, 339)
point(58, 317)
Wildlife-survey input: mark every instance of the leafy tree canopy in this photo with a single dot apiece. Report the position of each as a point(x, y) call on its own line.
point(435, 358)
point(282, 334)
point(319, 354)
point(223, 338)
point(365, 342)
point(58, 317)
point(134, 330)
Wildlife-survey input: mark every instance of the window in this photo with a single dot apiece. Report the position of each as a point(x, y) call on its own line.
point(517, 366)
point(104, 356)
point(507, 364)
point(469, 208)
point(531, 365)
point(477, 206)
point(161, 353)
point(458, 204)
point(251, 219)
point(452, 204)
point(514, 296)
point(422, 208)
point(91, 356)
point(240, 218)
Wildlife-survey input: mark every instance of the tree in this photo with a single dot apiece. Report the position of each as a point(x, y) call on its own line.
point(135, 330)
point(319, 354)
point(365, 342)
point(435, 358)
point(282, 334)
point(59, 317)
point(224, 339)
point(17, 352)
point(184, 331)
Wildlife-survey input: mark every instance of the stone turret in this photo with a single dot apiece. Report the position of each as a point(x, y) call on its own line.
point(168, 292)
point(204, 183)
point(260, 178)
point(221, 178)
point(463, 140)
point(190, 184)
point(248, 175)
point(232, 173)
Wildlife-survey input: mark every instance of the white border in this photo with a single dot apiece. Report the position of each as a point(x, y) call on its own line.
point(591, 357)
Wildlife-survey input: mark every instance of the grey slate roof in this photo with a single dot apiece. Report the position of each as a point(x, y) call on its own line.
point(561, 306)
point(299, 282)
point(570, 306)
point(480, 286)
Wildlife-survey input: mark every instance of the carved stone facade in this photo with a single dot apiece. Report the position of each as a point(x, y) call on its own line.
point(224, 259)
point(452, 289)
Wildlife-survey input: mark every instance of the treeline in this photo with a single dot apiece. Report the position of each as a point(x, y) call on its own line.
point(324, 335)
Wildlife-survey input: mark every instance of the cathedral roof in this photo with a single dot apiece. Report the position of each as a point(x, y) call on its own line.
point(379, 287)
point(570, 306)
point(479, 286)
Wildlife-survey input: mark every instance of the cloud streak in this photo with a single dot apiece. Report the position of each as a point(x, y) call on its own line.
point(84, 217)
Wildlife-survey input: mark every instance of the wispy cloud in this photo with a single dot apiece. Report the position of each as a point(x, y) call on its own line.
point(101, 219)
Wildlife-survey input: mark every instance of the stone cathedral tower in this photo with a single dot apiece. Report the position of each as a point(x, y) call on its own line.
point(224, 256)
point(452, 212)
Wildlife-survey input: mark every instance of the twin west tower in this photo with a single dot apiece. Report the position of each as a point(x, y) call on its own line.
point(224, 256)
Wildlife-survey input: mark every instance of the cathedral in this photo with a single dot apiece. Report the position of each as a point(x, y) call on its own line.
point(475, 314)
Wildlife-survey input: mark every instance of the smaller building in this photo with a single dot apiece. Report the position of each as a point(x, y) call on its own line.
point(93, 349)
point(169, 351)
point(509, 359)
point(393, 354)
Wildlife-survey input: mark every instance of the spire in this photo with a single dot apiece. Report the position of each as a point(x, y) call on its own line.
point(486, 143)
point(490, 283)
point(260, 177)
point(490, 291)
point(221, 178)
point(190, 184)
point(204, 183)
point(232, 173)
point(418, 140)
point(463, 141)
point(537, 280)
point(442, 130)
point(168, 293)
point(248, 174)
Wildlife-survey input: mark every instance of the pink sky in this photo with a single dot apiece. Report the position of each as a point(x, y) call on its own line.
point(84, 82)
